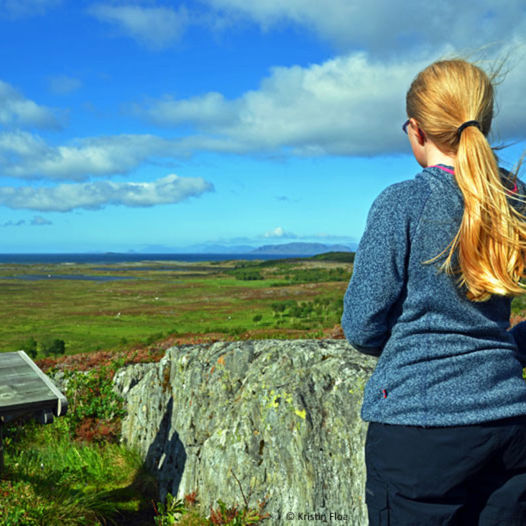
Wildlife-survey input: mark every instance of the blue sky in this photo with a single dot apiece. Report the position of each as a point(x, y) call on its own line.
point(157, 126)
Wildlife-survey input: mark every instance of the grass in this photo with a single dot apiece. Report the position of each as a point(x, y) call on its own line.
point(74, 471)
point(50, 479)
point(154, 304)
point(188, 301)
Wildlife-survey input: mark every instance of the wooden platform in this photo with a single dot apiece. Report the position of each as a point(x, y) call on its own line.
point(24, 388)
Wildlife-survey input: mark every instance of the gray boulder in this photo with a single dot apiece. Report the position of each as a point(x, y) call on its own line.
point(271, 419)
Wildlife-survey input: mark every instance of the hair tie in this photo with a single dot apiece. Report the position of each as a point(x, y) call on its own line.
point(463, 126)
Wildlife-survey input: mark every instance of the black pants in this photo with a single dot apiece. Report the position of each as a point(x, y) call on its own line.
point(456, 476)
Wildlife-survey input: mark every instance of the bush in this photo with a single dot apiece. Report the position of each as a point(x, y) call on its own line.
point(154, 338)
point(306, 314)
point(341, 257)
point(319, 275)
point(50, 480)
point(236, 331)
point(281, 306)
point(29, 346)
point(53, 347)
point(185, 512)
point(94, 406)
point(248, 275)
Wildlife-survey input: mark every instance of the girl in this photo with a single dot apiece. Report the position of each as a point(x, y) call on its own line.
point(435, 271)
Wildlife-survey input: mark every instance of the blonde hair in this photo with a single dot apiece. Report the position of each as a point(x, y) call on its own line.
point(490, 244)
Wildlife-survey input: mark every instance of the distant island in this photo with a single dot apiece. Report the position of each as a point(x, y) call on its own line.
point(300, 249)
point(283, 249)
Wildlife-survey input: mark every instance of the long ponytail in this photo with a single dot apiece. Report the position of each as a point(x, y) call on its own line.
point(490, 245)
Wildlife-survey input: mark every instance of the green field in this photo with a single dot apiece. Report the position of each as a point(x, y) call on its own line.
point(172, 302)
point(160, 301)
point(75, 472)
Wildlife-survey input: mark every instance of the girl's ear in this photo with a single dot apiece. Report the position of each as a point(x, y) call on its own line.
point(420, 135)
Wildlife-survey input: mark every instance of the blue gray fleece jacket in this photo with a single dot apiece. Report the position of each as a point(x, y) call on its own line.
point(443, 360)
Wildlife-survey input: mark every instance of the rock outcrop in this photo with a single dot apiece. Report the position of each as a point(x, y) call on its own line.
point(278, 418)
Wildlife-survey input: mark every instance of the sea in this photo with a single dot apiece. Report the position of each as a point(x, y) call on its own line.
point(113, 257)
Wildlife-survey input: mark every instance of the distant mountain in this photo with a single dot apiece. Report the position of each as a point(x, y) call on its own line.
point(204, 248)
point(301, 249)
point(216, 248)
point(293, 249)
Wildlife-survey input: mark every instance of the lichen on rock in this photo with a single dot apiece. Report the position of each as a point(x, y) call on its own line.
point(279, 416)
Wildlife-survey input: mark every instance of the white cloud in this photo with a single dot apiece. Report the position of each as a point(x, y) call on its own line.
point(155, 27)
point(19, 8)
point(36, 221)
point(66, 197)
point(209, 109)
point(352, 104)
point(40, 221)
point(62, 84)
point(16, 110)
point(279, 232)
point(349, 105)
point(21, 222)
point(384, 26)
point(343, 106)
point(27, 155)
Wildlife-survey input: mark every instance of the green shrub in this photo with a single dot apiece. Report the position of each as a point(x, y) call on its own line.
point(53, 481)
point(90, 395)
point(247, 275)
point(53, 347)
point(185, 513)
point(236, 331)
point(154, 338)
point(342, 257)
point(29, 346)
point(307, 314)
point(319, 275)
point(170, 512)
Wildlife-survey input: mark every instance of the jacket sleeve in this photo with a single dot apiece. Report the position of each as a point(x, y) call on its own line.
point(519, 334)
point(379, 273)
point(518, 331)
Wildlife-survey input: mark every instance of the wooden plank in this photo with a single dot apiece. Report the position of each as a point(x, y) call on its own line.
point(43, 377)
point(15, 397)
point(9, 359)
point(24, 386)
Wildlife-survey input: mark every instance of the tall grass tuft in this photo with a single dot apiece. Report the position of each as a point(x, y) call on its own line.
point(51, 479)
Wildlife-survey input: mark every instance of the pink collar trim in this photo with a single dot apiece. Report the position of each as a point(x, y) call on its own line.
point(448, 170)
